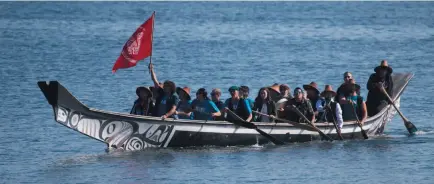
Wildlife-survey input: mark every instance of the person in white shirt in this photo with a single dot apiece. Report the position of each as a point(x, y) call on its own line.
point(329, 110)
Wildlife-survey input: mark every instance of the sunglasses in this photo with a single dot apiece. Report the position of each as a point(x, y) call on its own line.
point(347, 77)
point(298, 92)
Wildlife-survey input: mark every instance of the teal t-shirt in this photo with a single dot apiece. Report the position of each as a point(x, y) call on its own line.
point(203, 109)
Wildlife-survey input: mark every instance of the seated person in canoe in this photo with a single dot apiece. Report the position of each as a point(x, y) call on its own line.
point(183, 109)
point(215, 97)
point(264, 105)
point(203, 107)
point(354, 108)
point(302, 104)
point(167, 100)
point(144, 104)
point(238, 105)
point(328, 109)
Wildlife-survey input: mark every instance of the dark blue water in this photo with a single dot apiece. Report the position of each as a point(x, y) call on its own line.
point(216, 44)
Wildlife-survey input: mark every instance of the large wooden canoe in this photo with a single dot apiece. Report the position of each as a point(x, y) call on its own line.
point(134, 132)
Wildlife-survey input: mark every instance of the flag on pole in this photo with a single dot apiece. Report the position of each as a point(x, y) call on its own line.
point(138, 47)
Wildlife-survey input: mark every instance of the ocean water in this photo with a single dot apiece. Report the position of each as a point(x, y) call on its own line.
point(211, 45)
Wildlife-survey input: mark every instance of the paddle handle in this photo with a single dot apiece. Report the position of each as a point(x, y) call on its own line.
point(334, 122)
point(358, 121)
point(393, 104)
point(311, 124)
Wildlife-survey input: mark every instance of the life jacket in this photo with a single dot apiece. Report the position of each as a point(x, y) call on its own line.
point(359, 112)
point(241, 110)
point(330, 116)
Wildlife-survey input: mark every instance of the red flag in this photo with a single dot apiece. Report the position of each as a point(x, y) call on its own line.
point(138, 47)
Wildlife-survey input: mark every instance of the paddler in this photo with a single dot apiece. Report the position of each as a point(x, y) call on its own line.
point(355, 107)
point(302, 104)
point(285, 95)
point(265, 105)
point(312, 94)
point(238, 105)
point(341, 93)
point(215, 97)
point(244, 92)
point(143, 105)
point(183, 109)
point(329, 110)
point(382, 77)
point(167, 100)
point(203, 107)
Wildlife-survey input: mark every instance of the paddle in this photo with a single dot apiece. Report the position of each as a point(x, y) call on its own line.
point(295, 124)
point(358, 122)
point(323, 135)
point(249, 125)
point(334, 122)
point(410, 126)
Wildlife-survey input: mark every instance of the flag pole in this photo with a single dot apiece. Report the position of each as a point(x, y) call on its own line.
point(152, 39)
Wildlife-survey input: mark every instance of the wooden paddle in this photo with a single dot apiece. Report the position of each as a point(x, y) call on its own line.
point(358, 122)
point(249, 125)
point(410, 126)
point(295, 124)
point(334, 123)
point(323, 135)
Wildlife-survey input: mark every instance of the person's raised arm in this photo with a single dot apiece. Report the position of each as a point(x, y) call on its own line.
point(153, 75)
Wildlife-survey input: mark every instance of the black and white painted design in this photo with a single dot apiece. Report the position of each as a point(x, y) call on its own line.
point(128, 135)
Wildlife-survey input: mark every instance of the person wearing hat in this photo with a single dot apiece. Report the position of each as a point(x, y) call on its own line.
point(275, 92)
point(143, 105)
point(355, 107)
point(167, 99)
point(302, 104)
point(312, 94)
point(329, 110)
point(382, 77)
point(204, 108)
point(183, 109)
point(238, 105)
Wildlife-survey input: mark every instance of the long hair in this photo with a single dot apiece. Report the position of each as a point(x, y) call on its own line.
point(171, 85)
point(259, 98)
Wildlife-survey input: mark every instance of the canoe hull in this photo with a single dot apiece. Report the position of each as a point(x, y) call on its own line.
point(134, 132)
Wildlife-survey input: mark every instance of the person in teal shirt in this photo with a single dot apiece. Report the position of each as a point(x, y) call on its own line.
point(203, 107)
point(244, 93)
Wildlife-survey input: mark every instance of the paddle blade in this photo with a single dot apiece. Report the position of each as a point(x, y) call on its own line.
point(364, 134)
point(269, 137)
point(410, 127)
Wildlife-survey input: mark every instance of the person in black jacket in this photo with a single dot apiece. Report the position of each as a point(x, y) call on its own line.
point(264, 104)
point(382, 77)
point(144, 104)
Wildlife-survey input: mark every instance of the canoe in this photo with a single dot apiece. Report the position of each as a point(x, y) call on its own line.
point(134, 132)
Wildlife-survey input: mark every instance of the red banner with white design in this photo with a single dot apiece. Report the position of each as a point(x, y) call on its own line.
point(138, 47)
